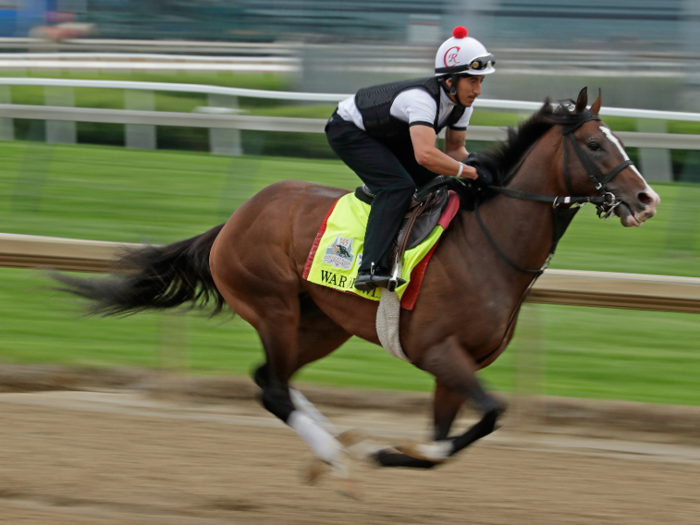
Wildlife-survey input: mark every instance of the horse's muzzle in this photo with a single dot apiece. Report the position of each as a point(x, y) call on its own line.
point(636, 213)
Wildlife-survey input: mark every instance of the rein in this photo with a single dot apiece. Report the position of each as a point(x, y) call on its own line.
point(605, 201)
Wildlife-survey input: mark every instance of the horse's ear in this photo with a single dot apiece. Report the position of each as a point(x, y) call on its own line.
point(581, 101)
point(595, 108)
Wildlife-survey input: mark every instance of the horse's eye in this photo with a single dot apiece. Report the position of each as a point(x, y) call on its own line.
point(594, 146)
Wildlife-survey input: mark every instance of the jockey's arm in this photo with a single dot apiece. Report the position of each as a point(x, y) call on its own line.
point(454, 143)
point(428, 156)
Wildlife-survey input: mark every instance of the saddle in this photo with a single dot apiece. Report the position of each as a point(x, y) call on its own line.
point(423, 214)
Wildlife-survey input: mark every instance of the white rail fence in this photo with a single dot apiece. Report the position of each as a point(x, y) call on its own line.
point(563, 287)
point(222, 117)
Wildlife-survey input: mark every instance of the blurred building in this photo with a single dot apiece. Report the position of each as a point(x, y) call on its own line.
point(241, 20)
point(655, 25)
point(568, 23)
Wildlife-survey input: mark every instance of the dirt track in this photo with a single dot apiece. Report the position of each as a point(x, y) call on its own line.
point(115, 458)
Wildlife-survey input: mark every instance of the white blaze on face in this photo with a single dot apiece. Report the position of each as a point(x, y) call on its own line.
point(638, 218)
point(615, 141)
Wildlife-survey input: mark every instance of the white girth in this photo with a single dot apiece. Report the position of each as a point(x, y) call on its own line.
point(388, 324)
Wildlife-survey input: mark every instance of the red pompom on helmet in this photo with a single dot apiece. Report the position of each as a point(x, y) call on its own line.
point(460, 32)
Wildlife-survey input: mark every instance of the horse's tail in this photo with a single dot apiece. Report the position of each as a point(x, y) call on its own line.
point(153, 278)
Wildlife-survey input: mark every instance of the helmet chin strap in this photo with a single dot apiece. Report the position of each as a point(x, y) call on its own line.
point(453, 89)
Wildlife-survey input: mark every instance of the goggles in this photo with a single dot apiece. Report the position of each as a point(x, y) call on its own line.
point(476, 64)
point(481, 63)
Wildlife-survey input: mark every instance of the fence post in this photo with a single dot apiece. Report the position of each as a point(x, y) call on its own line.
point(140, 136)
point(60, 131)
point(224, 141)
point(656, 162)
point(529, 370)
point(682, 227)
point(32, 172)
point(173, 354)
point(7, 125)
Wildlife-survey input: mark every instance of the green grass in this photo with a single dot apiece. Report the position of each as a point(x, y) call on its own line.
point(116, 194)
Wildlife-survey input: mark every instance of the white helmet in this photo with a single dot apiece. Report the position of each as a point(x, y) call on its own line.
point(463, 55)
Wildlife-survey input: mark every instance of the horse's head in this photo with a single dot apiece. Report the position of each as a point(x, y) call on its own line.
point(598, 163)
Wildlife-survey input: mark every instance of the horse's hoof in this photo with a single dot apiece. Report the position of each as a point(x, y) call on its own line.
point(348, 487)
point(340, 478)
point(435, 451)
point(351, 437)
point(318, 467)
point(315, 469)
point(357, 443)
point(389, 457)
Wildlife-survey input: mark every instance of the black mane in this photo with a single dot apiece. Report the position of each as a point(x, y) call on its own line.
point(502, 158)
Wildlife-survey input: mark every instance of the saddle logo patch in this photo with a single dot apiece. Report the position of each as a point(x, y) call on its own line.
point(339, 253)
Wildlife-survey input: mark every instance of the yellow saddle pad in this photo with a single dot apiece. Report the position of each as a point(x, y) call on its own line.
point(336, 254)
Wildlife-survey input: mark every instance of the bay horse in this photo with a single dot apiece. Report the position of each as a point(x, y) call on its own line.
point(477, 279)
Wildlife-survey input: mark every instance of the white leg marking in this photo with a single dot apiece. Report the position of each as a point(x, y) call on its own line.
point(323, 444)
point(307, 407)
point(436, 451)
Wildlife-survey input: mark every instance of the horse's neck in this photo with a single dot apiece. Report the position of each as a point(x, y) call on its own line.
point(523, 229)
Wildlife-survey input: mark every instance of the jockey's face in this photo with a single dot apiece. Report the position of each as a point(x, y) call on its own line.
point(468, 88)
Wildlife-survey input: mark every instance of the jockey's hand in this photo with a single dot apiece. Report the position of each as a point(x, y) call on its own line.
point(469, 172)
point(484, 177)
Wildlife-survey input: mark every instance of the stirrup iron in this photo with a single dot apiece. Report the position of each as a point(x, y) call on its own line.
point(396, 279)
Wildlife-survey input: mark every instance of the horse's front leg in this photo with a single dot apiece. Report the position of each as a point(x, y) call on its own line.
point(446, 405)
point(454, 371)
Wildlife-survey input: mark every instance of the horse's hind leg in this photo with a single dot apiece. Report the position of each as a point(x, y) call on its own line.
point(317, 336)
point(290, 342)
point(274, 310)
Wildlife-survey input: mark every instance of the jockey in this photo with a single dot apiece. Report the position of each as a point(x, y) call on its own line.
point(387, 135)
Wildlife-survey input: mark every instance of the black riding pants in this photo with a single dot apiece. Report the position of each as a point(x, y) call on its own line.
point(385, 176)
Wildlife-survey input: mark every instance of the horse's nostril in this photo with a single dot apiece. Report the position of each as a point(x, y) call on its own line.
point(645, 198)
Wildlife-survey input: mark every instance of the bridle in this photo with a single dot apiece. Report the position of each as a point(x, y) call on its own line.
point(563, 209)
point(605, 201)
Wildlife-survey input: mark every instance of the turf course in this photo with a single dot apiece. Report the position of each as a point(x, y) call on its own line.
point(116, 194)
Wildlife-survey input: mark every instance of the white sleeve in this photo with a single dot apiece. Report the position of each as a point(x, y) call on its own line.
point(414, 106)
point(463, 122)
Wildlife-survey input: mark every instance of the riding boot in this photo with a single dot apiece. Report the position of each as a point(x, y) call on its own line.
point(376, 277)
point(383, 224)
